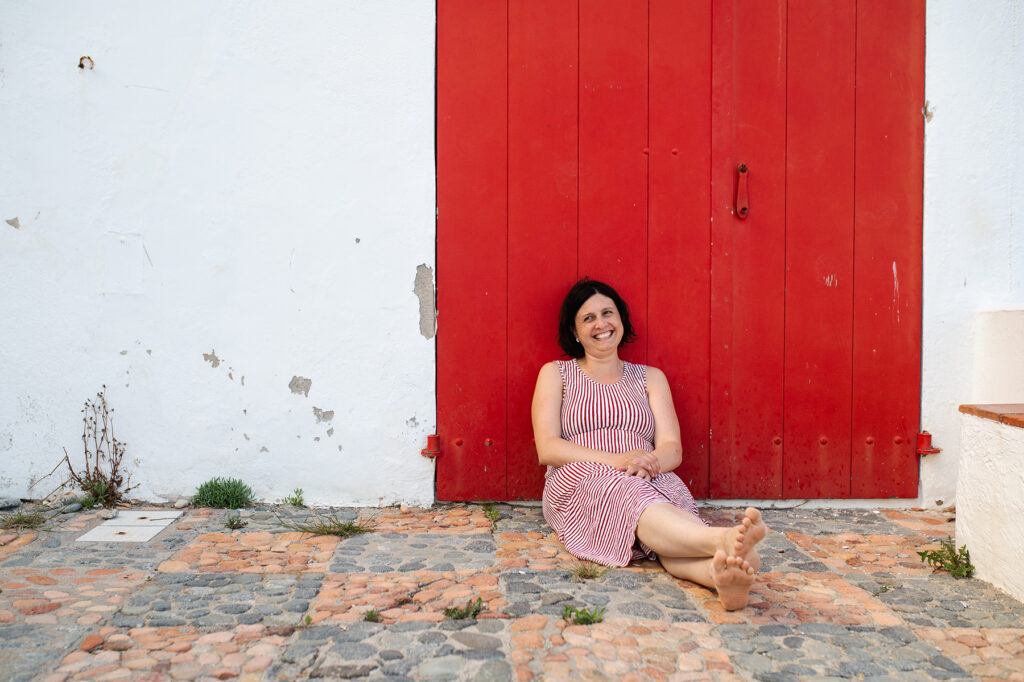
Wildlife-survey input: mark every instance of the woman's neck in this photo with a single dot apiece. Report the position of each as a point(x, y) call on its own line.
point(606, 370)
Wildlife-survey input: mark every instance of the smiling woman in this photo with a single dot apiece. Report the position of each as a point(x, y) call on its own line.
point(608, 433)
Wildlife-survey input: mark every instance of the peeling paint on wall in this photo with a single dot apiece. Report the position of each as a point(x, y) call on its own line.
point(300, 385)
point(14, 222)
point(423, 287)
point(212, 358)
point(323, 415)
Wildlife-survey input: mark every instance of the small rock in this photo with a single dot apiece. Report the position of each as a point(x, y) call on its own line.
point(91, 642)
point(9, 502)
point(223, 673)
point(118, 642)
point(181, 503)
point(71, 508)
point(108, 513)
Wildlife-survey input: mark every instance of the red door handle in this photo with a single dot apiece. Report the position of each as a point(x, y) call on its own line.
point(742, 200)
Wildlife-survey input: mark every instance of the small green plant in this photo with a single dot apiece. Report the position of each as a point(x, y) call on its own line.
point(471, 610)
point(97, 494)
point(102, 479)
point(295, 499)
point(373, 615)
point(308, 620)
point(582, 571)
point(493, 514)
point(223, 493)
point(327, 524)
point(957, 562)
point(22, 520)
point(234, 522)
point(583, 616)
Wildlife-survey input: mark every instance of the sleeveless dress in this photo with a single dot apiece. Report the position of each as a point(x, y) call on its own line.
point(594, 507)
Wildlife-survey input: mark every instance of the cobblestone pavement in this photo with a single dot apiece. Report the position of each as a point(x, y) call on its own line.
point(842, 595)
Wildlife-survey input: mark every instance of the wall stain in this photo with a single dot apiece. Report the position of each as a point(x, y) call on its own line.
point(264, 449)
point(423, 287)
point(212, 358)
point(323, 415)
point(300, 385)
point(14, 222)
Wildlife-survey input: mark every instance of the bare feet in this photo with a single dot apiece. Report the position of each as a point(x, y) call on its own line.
point(732, 577)
point(741, 539)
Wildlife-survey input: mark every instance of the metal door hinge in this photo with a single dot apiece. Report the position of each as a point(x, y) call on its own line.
point(433, 448)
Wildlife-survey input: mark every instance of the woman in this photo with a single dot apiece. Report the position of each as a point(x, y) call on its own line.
point(608, 433)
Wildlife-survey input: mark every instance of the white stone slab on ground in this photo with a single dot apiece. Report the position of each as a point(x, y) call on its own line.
point(131, 526)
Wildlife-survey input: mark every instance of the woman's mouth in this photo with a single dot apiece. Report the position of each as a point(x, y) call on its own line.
point(604, 335)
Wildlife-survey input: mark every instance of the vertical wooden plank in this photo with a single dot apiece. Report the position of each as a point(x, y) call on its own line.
point(679, 224)
point(819, 247)
point(748, 256)
point(471, 257)
point(542, 185)
point(887, 257)
point(613, 164)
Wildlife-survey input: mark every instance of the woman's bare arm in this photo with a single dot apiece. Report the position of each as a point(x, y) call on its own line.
point(552, 449)
point(667, 441)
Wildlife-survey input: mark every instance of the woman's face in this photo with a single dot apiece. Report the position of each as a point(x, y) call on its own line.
point(598, 326)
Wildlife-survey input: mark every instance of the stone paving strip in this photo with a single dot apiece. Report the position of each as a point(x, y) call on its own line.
point(259, 552)
point(65, 595)
point(842, 595)
point(179, 653)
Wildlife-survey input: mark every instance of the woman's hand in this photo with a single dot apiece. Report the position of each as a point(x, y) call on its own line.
point(640, 463)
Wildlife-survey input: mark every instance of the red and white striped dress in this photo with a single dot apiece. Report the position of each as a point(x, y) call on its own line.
point(593, 507)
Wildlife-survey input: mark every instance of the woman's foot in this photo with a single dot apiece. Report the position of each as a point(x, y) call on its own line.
point(741, 539)
point(732, 577)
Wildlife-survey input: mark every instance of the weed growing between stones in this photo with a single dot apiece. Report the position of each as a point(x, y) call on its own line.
point(581, 571)
point(327, 524)
point(373, 616)
point(22, 520)
point(471, 610)
point(295, 499)
point(223, 493)
point(957, 562)
point(234, 522)
point(583, 616)
point(493, 514)
point(101, 480)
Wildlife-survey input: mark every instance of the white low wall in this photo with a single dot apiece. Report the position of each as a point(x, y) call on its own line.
point(229, 221)
point(990, 501)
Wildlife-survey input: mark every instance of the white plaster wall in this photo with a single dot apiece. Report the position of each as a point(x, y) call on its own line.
point(247, 180)
point(973, 238)
point(990, 501)
point(999, 357)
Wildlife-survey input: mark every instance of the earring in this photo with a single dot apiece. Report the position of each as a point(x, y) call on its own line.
point(577, 339)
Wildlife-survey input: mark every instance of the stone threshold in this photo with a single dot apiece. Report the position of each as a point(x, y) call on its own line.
point(1011, 414)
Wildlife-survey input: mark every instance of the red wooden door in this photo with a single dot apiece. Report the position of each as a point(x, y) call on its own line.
point(603, 138)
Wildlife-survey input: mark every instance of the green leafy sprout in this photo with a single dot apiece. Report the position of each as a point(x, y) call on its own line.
point(957, 562)
point(583, 616)
point(471, 610)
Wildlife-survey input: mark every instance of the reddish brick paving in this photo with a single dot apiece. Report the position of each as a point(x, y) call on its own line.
point(413, 596)
point(258, 552)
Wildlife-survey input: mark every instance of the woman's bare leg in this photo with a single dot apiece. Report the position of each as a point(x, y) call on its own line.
point(674, 532)
point(731, 576)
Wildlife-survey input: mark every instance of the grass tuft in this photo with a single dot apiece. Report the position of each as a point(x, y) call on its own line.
point(295, 499)
point(234, 522)
point(957, 562)
point(493, 514)
point(373, 616)
point(22, 520)
point(581, 571)
point(583, 616)
point(471, 610)
point(223, 493)
point(327, 524)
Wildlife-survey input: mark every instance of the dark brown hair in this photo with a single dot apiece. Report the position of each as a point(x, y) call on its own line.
point(574, 300)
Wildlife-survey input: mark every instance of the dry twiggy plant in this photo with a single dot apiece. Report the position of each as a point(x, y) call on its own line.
point(102, 478)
